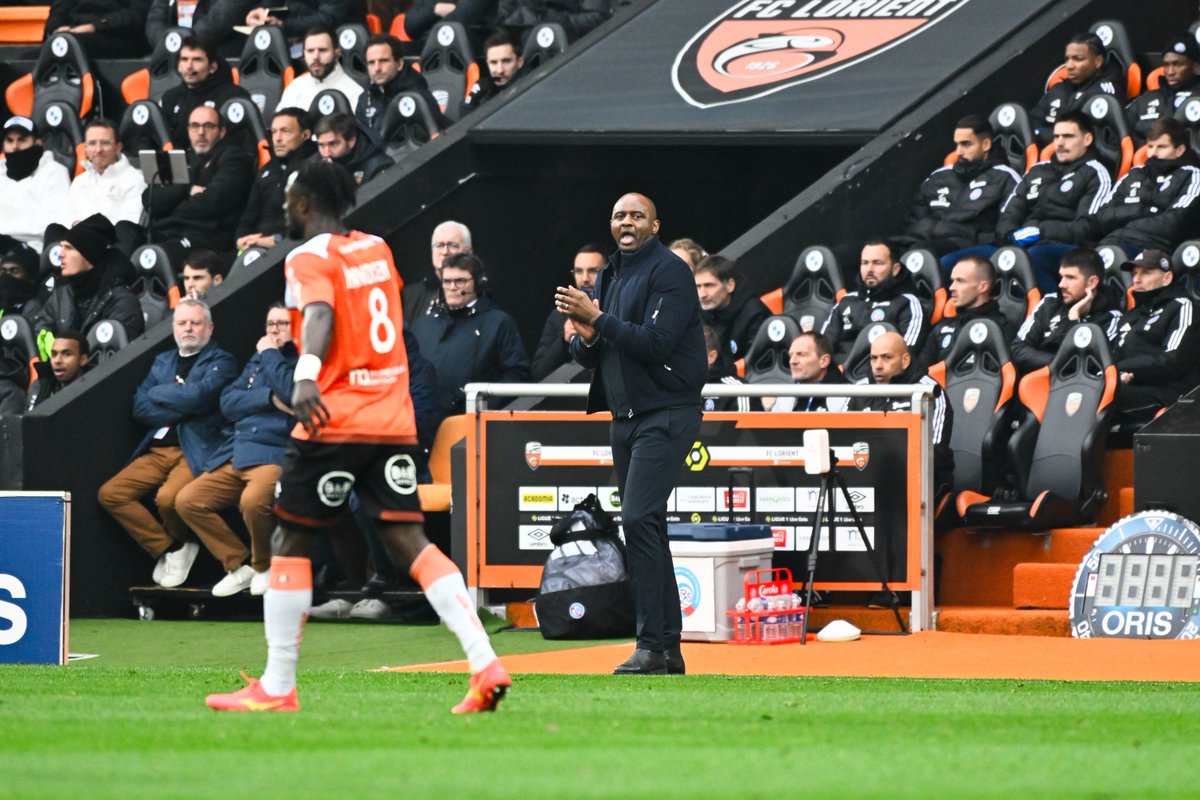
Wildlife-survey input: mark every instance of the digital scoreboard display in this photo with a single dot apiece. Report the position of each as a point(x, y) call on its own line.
point(1141, 579)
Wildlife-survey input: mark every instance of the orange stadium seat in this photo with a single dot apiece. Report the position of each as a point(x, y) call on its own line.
point(773, 300)
point(397, 28)
point(23, 24)
point(374, 23)
point(435, 496)
point(1154, 79)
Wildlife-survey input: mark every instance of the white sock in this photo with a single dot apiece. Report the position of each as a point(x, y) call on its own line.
point(449, 598)
point(285, 609)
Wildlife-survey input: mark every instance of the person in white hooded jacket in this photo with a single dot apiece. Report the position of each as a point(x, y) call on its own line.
point(32, 183)
point(109, 184)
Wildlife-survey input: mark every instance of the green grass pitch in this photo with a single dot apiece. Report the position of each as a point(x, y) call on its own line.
point(132, 724)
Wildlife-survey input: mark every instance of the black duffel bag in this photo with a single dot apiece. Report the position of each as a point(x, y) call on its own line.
point(585, 591)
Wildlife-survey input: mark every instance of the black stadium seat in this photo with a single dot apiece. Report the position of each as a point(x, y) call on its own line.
point(767, 358)
point(448, 64)
point(1189, 114)
point(329, 101)
point(1119, 49)
point(858, 360)
point(143, 127)
point(64, 73)
point(352, 39)
point(980, 380)
point(814, 287)
point(1113, 257)
point(543, 43)
point(62, 135)
point(18, 349)
point(105, 338)
point(265, 68)
point(1014, 136)
point(408, 123)
point(1112, 140)
point(247, 256)
point(242, 120)
point(157, 285)
point(1057, 452)
point(927, 277)
point(1016, 287)
point(160, 74)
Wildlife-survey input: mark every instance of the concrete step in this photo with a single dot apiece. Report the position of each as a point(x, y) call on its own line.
point(977, 565)
point(1006, 621)
point(1043, 585)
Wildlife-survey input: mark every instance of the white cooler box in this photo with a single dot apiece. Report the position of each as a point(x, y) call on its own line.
point(711, 561)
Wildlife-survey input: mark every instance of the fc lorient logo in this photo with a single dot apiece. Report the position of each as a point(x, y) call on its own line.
point(757, 47)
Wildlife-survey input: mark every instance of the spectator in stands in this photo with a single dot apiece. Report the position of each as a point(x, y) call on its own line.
point(257, 405)
point(304, 15)
point(109, 184)
point(467, 336)
point(891, 362)
point(207, 81)
point(449, 238)
point(424, 14)
point(105, 28)
point(178, 404)
point(1158, 342)
point(734, 314)
point(1047, 212)
point(957, 206)
point(32, 183)
point(502, 53)
point(390, 75)
point(972, 293)
point(576, 16)
point(721, 370)
point(340, 140)
point(1181, 67)
point(886, 293)
point(205, 212)
point(1155, 204)
point(68, 358)
point(262, 223)
point(553, 348)
point(18, 277)
point(1081, 297)
point(89, 288)
point(212, 20)
point(1088, 73)
point(203, 270)
point(322, 57)
point(810, 359)
point(689, 250)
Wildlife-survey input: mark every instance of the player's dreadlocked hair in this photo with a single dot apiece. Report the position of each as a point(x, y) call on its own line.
point(329, 187)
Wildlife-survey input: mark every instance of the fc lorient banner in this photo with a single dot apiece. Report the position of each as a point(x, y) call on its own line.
point(757, 47)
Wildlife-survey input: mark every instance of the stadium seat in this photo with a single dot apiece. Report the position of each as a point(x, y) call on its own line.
point(352, 39)
point(858, 360)
point(435, 496)
point(1120, 50)
point(242, 119)
point(773, 300)
point(1186, 260)
point(408, 123)
point(62, 135)
point(1057, 452)
point(105, 338)
point(814, 287)
point(143, 127)
point(397, 28)
point(265, 68)
point(1014, 136)
point(62, 73)
point(157, 285)
point(374, 23)
point(160, 74)
point(247, 256)
point(980, 379)
point(767, 358)
point(23, 24)
point(1154, 79)
point(1120, 280)
point(448, 64)
point(1112, 141)
point(542, 43)
point(329, 101)
point(1016, 286)
point(18, 349)
point(1189, 114)
point(927, 276)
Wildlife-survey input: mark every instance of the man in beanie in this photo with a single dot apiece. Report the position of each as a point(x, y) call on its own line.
point(1158, 342)
point(32, 183)
point(1181, 64)
point(90, 287)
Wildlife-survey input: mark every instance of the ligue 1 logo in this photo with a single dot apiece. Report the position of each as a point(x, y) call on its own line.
point(757, 47)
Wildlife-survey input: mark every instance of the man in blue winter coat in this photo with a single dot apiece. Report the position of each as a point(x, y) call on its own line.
point(643, 337)
point(178, 403)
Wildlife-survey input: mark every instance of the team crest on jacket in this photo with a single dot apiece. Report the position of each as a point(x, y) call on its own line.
point(757, 47)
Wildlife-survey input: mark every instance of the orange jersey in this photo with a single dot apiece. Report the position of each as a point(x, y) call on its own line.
point(364, 375)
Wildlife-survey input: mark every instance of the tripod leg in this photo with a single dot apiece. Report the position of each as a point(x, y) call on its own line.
point(824, 495)
point(879, 570)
